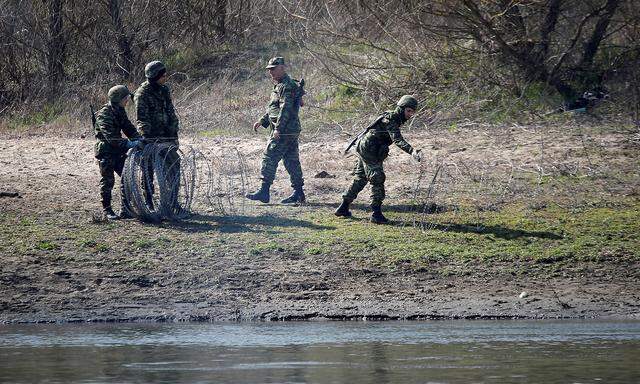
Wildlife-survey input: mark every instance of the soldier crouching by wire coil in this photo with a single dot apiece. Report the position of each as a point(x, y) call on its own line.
point(372, 148)
point(111, 148)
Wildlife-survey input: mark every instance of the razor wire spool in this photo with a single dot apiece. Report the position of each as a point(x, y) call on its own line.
point(155, 184)
point(164, 182)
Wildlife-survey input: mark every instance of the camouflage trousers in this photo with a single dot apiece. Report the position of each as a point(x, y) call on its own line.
point(285, 149)
point(367, 172)
point(109, 166)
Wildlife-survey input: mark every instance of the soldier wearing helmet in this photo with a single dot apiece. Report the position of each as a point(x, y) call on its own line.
point(111, 148)
point(158, 123)
point(372, 148)
point(156, 117)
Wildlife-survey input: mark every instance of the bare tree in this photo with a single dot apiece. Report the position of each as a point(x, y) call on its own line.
point(126, 58)
point(56, 45)
point(549, 41)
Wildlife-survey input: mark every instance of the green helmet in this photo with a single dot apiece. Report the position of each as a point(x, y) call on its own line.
point(274, 62)
point(408, 101)
point(153, 69)
point(118, 93)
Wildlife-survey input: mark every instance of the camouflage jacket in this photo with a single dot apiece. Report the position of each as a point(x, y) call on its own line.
point(374, 144)
point(111, 122)
point(283, 107)
point(156, 117)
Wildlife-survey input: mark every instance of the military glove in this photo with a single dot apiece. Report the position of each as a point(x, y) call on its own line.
point(256, 125)
point(417, 154)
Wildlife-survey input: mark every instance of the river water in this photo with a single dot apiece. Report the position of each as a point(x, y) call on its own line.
point(324, 352)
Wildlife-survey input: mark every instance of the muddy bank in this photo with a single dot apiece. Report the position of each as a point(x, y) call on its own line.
point(308, 290)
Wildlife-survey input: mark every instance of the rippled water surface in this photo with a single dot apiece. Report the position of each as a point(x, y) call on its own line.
point(324, 352)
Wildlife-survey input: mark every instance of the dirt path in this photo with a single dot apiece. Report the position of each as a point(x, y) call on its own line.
point(59, 264)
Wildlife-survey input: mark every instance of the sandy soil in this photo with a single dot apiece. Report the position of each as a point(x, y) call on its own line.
point(207, 271)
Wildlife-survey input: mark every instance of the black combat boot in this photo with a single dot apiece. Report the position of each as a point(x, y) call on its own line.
point(106, 208)
point(377, 217)
point(296, 197)
point(343, 209)
point(261, 194)
point(109, 214)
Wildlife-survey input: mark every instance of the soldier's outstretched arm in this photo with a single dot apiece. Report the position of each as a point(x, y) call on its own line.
point(396, 136)
point(264, 120)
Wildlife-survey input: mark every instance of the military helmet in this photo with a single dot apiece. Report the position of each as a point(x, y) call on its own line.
point(118, 93)
point(408, 101)
point(274, 62)
point(153, 69)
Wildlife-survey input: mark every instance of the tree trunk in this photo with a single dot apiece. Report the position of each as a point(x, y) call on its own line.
point(548, 27)
point(591, 47)
point(221, 19)
point(125, 59)
point(55, 49)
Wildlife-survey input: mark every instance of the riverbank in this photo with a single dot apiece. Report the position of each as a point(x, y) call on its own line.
point(518, 222)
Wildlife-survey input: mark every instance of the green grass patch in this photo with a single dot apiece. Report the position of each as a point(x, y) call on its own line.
point(47, 113)
point(102, 247)
point(267, 247)
point(550, 235)
point(47, 245)
point(160, 241)
point(216, 132)
point(314, 250)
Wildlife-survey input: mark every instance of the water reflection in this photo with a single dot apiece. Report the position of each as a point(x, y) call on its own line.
point(354, 353)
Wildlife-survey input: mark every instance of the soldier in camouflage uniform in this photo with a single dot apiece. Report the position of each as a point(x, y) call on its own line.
point(111, 148)
point(372, 147)
point(158, 123)
point(282, 119)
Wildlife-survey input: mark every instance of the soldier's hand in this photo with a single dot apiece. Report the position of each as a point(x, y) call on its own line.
point(276, 135)
point(256, 125)
point(417, 154)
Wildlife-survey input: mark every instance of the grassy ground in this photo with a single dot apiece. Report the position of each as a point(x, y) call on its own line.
point(549, 209)
point(540, 242)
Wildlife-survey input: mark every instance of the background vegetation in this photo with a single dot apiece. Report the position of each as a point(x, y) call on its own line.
point(482, 59)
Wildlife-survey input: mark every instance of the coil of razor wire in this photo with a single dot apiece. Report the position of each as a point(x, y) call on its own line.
point(152, 182)
point(165, 182)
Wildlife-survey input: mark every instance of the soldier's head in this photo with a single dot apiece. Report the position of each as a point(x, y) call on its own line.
point(119, 95)
point(277, 68)
point(408, 104)
point(156, 72)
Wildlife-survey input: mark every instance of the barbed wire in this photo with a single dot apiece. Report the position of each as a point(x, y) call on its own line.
point(164, 182)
